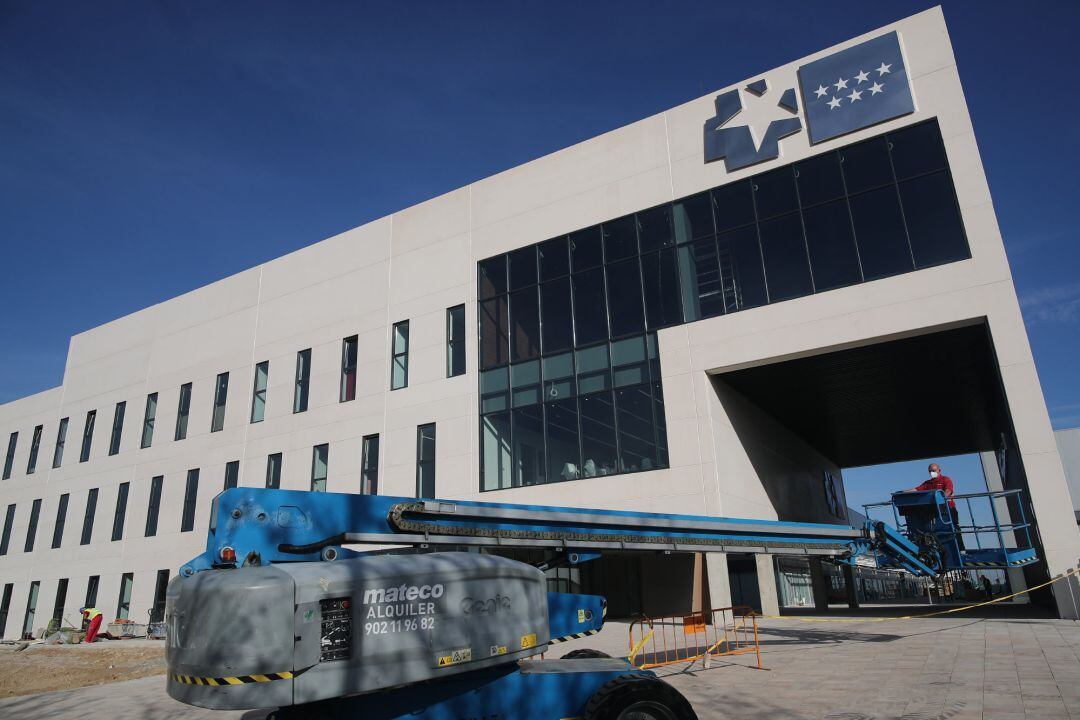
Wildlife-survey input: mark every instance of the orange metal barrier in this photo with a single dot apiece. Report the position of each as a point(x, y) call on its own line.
point(655, 642)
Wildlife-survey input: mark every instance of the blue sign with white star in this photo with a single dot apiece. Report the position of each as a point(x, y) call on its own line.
point(855, 88)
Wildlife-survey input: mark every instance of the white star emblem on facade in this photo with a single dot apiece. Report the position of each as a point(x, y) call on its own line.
point(862, 76)
point(821, 91)
point(841, 84)
point(834, 103)
point(855, 95)
point(875, 88)
point(884, 69)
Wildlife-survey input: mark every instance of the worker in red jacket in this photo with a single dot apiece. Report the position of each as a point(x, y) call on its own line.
point(92, 620)
point(944, 483)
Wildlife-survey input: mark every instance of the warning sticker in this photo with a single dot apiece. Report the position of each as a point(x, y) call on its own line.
point(528, 641)
point(456, 656)
point(498, 650)
point(581, 616)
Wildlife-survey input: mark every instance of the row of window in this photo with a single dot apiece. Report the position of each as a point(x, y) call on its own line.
point(399, 378)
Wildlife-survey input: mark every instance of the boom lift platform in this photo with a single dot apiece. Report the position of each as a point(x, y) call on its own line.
point(278, 613)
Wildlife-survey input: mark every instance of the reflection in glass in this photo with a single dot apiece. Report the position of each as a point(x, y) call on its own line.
point(495, 451)
point(624, 298)
point(597, 435)
point(561, 426)
point(637, 442)
point(784, 251)
point(529, 462)
point(879, 232)
point(557, 326)
point(831, 245)
point(699, 272)
point(590, 308)
point(525, 327)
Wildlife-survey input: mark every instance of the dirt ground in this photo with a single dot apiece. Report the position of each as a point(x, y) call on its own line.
point(43, 668)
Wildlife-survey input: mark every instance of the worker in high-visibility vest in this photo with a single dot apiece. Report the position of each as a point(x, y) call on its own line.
point(92, 621)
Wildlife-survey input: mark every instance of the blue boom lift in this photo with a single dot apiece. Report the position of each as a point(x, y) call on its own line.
point(278, 613)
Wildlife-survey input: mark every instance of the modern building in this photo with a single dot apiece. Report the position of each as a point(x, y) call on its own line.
point(1068, 442)
point(712, 310)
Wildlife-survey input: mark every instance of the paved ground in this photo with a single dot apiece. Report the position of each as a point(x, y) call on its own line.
point(954, 668)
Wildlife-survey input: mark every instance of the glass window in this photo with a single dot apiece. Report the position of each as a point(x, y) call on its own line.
point(586, 248)
point(9, 521)
point(522, 267)
point(557, 326)
point(35, 446)
point(153, 507)
point(88, 436)
point(620, 238)
point(399, 361)
point(592, 369)
point(628, 362)
point(117, 427)
point(232, 475)
point(786, 268)
point(917, 150)
point(693, 217)
point(31, 532)
point(528, 434)
point(495, 454)
point(590, 307)
point(149, 416)
point(31, 608)
point(191, 494)
point(320, 456)
point(369, 465)
point(183, 407)
point(660, 276)
point(273, 471)
point(61, 600)
point(120, 513)
point(88, 517)
point(9, 458)
point(741, 269)
point(699, 273)
point(425, 461)
point(554, 258)
point(879, 233)
point(866, 165)
point(258, 391)
point(525, 383)
point(494, 332)
point(455, 341)
point(161, 586)
point(61, 520)
point(123, 603)
point(819, 179)
point(303, 379)
point(559, 376)
point(833, 257)
point(734, 205)
point(92, 590)
point(597, 435)
point(349, 348)
point(637, 440)
point(221, 393)
point(933, 220)
point(661, 425)
point(774, 193)
point(494, 390)
point(61, 436)
point(563, 451)
point(654, 228)
point(524, 325)
point(492, 277)
point(624, 298)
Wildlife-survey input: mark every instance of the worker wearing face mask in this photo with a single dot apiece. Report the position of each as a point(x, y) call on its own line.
point(944, 483)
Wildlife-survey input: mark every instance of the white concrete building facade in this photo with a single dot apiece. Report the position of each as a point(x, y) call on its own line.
point(754, 380)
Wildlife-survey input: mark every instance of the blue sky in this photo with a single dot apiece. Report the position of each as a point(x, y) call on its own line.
point(147, 149)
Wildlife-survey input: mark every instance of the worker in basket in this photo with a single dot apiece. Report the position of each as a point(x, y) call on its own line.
point(91, 622)
point(944, 483)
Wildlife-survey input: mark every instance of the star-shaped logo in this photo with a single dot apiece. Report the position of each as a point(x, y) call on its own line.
point(834, 103)
point(821, 91)
point(884, 69)
point(855, 95)
point(876, 88)
point(862, 76)
point(841, 84)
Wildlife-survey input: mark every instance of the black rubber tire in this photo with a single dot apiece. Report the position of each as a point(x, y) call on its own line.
point(638, 697)
point(584, 653)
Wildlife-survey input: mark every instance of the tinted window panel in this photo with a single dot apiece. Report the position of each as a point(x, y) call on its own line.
point(699, 273)
point(590, 308)
point(628, 364)
point(743, 274)
point(495, 390)
point(819, 179)
point(734, 205)
point(558, 321)
point(598, 435)
point(661, 425)
point(879, 233)
point(525, 328)
point(620, 238)
point(493, 276)
point(693, 217)
point(933, 220)
point(637, 444)
point(554, 258)
point(561, 427)
point(592, 369)
point(559, 377)
point(586, 248)
point(917, 150)
point(866, 165)
point(786, 268)
point(523, 267)
point(624, 298)
point(525, 383)
point(494, 333)
point(495, 459)
point(774, 193)
point(833, 257)
point(654, 228)
point(529, 461)
point(661, 283)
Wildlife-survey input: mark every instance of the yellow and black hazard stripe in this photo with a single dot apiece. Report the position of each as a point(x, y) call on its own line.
point(578, 636)
point(234, 680)
point(1012, 563)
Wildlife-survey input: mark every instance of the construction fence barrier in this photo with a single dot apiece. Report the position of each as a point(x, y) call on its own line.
point(720, 632)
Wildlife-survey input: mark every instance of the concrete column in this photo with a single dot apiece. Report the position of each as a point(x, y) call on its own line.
point(766, 577)
point(817, 584)
point(850, 587)
point(716, 571)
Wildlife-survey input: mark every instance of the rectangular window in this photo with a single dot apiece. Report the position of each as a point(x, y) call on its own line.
point(88, 517)
point(123, 603)
point(320, 455)
point(61, 600)
point(161, 587)
point(61, 519)
point(9, 520)
point(425, 461)
point(525, 324)
point(92, 584)
point(221, 392)
point(117, 427)
point(31, 609)
point(273, 470)
point(399, 360)
point(87, 436)
point(369, 466)
point(303, 378)
point(9, 459)
point(5, 607)
point(35, 445)
point(149, 416)
point(232, 474)
point(191, 494)
point(31, 529)
point(258, 391)
point(348, 368)
point(455, 341)
point(183, 407)
point(153, 507)
point(61, 438)
point(121, 511)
